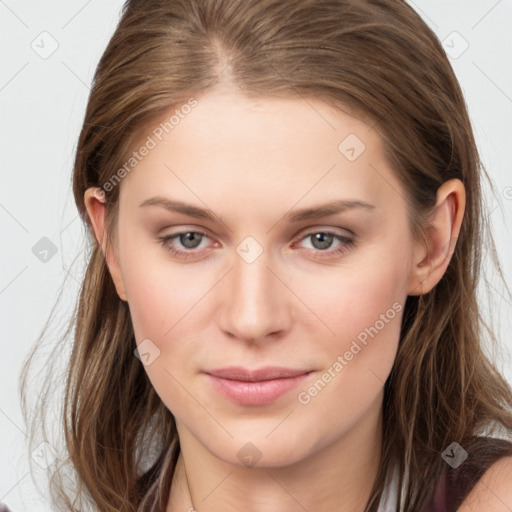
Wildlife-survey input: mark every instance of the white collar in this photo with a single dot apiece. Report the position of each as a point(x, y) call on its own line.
point(389, 498)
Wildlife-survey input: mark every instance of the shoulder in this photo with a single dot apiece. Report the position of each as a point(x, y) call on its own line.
point(482, 482)
point(493, 491)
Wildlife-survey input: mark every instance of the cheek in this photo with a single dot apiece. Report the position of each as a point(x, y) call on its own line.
point(160, 294)
point(359, 357)
point(165, 301)
point(350, 300)
point(151, 304)
point(160, 302)
point(362, 311)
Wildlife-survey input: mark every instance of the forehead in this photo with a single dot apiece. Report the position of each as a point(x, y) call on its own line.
point(282, 147)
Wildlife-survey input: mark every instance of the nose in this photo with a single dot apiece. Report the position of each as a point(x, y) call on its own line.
point(255, 303)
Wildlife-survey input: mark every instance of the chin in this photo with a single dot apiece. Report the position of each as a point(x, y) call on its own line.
point(259, 451)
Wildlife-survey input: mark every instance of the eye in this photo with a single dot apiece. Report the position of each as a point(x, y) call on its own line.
point(188, 242)
point(321, 241)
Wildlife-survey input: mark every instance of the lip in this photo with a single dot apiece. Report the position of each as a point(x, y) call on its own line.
point(255, 387)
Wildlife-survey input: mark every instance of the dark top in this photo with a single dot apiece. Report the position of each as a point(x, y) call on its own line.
point(455, 484)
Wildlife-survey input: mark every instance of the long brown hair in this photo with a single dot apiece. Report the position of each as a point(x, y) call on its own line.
point(376, 58)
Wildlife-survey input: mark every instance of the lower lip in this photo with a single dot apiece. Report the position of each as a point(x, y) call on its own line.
point(255, 393)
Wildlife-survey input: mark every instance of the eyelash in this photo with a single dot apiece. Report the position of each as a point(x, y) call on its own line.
point(346, 244)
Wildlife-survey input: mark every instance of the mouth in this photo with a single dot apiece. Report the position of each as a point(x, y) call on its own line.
point(255, 387)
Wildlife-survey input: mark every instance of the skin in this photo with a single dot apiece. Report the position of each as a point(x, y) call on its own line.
point(297, 305)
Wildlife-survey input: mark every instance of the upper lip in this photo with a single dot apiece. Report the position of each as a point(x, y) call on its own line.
point(260, 374)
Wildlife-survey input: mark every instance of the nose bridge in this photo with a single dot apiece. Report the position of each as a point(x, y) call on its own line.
point(255, 302)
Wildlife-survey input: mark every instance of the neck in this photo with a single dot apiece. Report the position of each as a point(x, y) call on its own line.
point(338, 477)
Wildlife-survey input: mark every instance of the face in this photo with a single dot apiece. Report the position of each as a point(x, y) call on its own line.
point(300, 259)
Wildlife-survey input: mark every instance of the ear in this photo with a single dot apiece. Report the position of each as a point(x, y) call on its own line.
point(430, 261)
point(94, 199)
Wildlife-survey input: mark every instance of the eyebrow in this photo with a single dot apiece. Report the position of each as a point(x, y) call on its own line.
point(179, 207)
point(313, 212)
point(323, 210)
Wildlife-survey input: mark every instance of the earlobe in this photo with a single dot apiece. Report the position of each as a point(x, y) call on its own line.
point(431, 259)
point(95, 204)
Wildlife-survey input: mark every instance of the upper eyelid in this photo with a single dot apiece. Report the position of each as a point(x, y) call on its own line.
point(304, 231)
point(298, 237)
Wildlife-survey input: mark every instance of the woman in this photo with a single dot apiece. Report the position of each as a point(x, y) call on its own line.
point(279, 310)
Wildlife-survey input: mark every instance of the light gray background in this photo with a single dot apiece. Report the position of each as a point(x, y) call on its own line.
point(42, 103)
